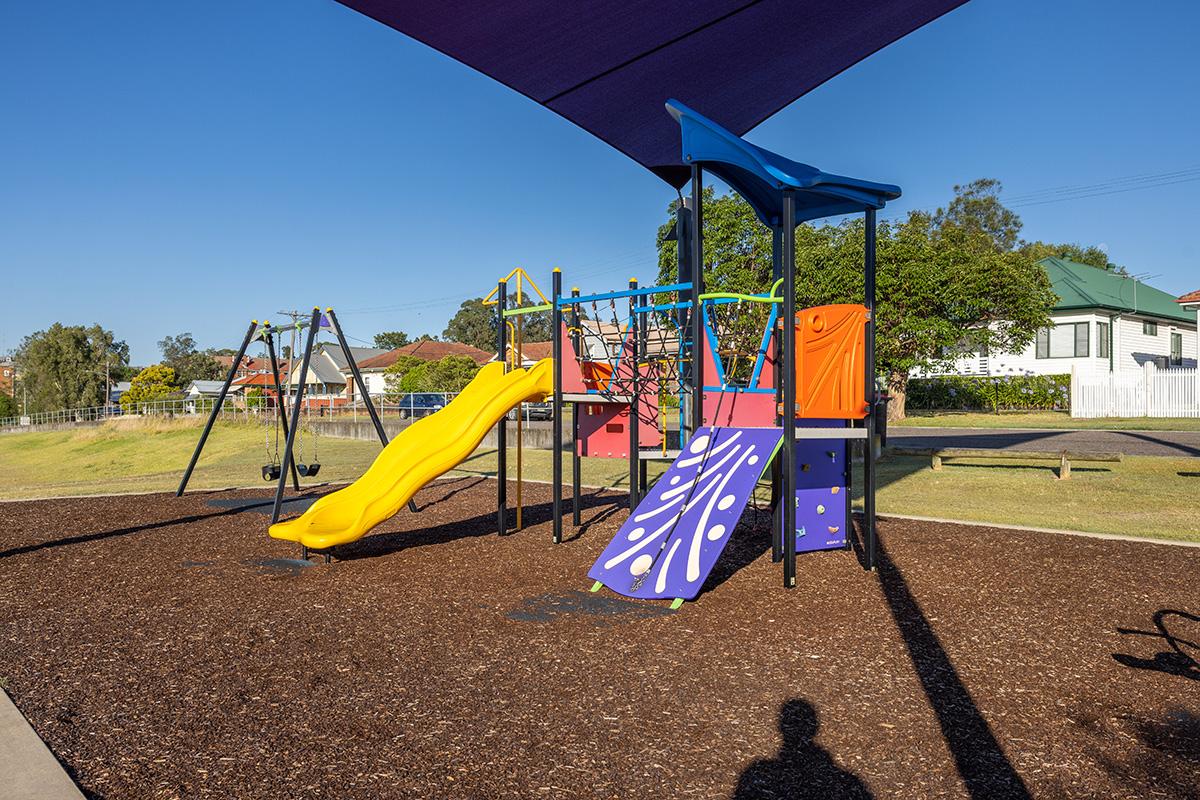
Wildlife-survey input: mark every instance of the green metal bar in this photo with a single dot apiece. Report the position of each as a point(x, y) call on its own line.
point(749, 298)
point(516, 312)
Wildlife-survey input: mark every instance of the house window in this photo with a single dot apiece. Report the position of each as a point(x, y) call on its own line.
point(1176, 349)
point(1102, 334)
point(1149, 328)
point(1069, 340)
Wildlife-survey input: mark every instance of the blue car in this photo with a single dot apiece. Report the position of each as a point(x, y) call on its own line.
point(420, 404)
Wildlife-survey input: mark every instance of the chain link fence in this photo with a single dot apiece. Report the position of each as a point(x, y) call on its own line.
point(412, 406)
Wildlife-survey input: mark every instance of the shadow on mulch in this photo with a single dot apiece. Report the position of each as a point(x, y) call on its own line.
point(602, 610)
point(380, 544)
point(1173, 661)
point(290, 505)
point(802, 769)
point(978, 757)
point(84, 538)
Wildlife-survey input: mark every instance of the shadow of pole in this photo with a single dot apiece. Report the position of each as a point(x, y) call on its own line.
point(980, 760)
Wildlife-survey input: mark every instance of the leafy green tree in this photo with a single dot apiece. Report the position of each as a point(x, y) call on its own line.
point(1090, 255)
point(8, 407)
point(64, 366)
point(394, 376)
point(941, 278)
point(391, 340)
point(450, 374)
point(156, 382)
point(978, 215)
point(255, 397)
point(473, 324)
point(188, 363)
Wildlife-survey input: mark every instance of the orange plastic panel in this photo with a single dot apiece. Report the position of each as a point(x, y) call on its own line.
point(830, 347)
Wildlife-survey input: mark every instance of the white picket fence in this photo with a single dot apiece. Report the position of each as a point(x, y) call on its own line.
point(1149, 393)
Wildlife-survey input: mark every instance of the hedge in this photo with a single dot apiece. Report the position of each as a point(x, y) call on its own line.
point(1001, 393)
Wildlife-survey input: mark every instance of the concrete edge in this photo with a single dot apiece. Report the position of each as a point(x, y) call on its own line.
point(27, 767)
point(893, 426)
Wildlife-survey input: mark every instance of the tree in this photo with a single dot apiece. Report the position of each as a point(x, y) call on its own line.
point(942, 279)
point(977, 213)
point(473, 324)
point(391, 340)
point(153, 383)
point(188, 363)
point(64, 366)
point(394, 376)
point(1090, 254)
point(8, 407)
point(451, 374)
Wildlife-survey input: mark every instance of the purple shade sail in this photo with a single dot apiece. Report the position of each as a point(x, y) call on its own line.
point(673, 538)
point(610, 66)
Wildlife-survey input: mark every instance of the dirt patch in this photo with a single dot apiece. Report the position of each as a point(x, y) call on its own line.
point(167, 647)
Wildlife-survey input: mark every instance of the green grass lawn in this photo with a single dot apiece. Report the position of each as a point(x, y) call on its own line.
point(1041, 419)
point(1139, 496)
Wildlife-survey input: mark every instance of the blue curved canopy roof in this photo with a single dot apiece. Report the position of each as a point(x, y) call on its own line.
point(760, 176)
point(609, 66)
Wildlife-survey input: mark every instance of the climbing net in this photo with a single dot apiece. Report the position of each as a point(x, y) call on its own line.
point(739, 329)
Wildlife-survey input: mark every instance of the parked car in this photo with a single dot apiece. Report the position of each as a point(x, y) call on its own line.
point(532, 411)
point(421, 404)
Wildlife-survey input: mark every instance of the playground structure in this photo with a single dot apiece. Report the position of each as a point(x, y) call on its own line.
point(757, 388)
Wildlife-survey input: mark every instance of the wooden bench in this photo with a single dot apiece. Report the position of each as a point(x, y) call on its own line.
point(1064, 457)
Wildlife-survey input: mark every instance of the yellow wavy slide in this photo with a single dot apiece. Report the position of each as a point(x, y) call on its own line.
point(422, 451)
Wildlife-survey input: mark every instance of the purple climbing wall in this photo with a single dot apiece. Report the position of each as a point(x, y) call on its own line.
point(670, 543)
point(822, 497)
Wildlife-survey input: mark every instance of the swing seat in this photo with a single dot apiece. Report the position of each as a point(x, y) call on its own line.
point(271, 472)
point(309, 470)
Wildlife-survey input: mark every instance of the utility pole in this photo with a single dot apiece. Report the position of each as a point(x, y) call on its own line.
point(295, 316)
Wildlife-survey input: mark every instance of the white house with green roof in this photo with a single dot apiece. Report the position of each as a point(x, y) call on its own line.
point(1103, 322)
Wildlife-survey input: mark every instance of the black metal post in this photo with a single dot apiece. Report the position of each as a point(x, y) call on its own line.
point(634, 398)
point(697, 265)
point(358, 378)
point(777, 375)
point(216, 409)
point(869, 368)
point(576, 461)
point(281, 407)
point(288, 457)
point(788, 366)
point(502, 426)
point(556, 402)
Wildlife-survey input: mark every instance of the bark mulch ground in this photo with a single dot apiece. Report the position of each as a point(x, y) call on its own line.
point(168, 648)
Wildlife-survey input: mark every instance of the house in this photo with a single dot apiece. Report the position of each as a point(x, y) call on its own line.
point(329, 379)
point(531, 352)
point(1191, 302)
point(205, 389)
point(1103, 322)
point(248, 366)
point(373, 368)
point(8, 376)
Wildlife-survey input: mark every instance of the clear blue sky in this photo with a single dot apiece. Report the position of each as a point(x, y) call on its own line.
point(189, 166)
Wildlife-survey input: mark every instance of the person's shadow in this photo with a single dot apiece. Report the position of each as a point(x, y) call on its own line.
point(802, 769)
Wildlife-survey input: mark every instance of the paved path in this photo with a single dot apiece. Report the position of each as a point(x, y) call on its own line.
point(1131, 443)
point(28, 769)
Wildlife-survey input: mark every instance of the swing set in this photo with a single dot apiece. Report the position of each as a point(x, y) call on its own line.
point(278, 420)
